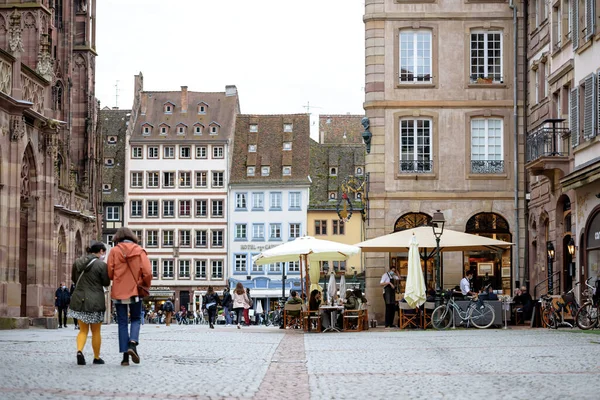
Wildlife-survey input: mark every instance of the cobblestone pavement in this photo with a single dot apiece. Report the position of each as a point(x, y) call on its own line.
point(194, 362)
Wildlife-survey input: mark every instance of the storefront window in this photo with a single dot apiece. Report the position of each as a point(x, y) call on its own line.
point(593, 247)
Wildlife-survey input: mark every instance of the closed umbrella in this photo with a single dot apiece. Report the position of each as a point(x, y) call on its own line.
point(314, 272)
point(415, 284)
point(331, 287)
point(343, 285)
point(259, 307)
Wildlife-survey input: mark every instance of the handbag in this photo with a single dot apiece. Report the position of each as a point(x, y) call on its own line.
point(78, 279)
point(143, 291)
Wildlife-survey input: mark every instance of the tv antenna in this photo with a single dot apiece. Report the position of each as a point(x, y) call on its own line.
point(117, 94)
point(308, 107)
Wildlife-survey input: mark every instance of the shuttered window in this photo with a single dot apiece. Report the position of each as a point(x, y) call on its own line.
point(574, 117)
point(575, 24)
point(589, 107)
point(589, 18)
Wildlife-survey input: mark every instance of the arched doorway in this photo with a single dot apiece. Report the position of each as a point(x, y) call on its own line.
point(78, 251)
point(412, 220)
point(563, 237)
point(592, 245)
point(27, 214)
point(490, 266)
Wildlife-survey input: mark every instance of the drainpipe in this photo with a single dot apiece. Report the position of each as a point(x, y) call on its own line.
point(513, 7)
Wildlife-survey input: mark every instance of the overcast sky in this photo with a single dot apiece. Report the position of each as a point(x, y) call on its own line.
point(281, 54)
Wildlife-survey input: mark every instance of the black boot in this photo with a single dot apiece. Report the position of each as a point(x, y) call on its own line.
point(125, 361)
point(133, 352)
point(80, 358)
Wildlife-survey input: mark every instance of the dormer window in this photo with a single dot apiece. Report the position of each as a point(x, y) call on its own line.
point(287, 146)
point(333, 171)
point(253, 128)
point(202, 108)
point(164, 129)
point(169, 107)
point(146, 129)
point(328, 120)
point(358, 196)
point(112, 139)
point(332, 195)
point(287, 127)
point(250, 171)
point(359, 171)
point(106, 187)
point(265, 171)
point(198, 128)
point(181, 129)
point(251, 148)
point(214, 130)
point(287, 171)
point(109, 162)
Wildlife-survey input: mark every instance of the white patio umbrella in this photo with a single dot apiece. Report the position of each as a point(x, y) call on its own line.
point(306, 249)
point(259, 307)
point(331, 287)
point(415, 283)
point(343, 285)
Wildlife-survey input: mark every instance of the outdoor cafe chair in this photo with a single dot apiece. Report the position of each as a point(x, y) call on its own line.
point(408, 317)
point(311, 318)
point(353, 320)
point(428, 308)
point(292, 314)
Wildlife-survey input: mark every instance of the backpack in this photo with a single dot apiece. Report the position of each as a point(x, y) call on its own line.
point(168, 306)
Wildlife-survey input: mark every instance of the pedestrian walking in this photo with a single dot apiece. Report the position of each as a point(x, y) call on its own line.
point(129, 269)
point(168, 308)
point(247, 309)
point(227, 305)
point(211, 301)
point(90, 275)
point(240, 302)
point(61, 302)
point(71, 294)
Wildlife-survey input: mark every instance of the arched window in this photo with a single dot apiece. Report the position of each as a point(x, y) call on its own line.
point(412, 220)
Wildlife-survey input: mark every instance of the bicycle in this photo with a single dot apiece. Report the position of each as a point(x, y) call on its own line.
point(587, 315)
point(549, 314)
point(567, 300)
point(478, 313)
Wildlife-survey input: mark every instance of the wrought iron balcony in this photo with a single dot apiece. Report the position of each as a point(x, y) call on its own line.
point(548, 142)
point(487, 166)
point(416, 167)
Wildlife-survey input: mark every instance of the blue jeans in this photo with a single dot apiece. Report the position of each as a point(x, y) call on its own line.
point(125, 334)
point(227, 315)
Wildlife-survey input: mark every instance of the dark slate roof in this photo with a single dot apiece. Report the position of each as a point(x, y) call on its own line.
point(220, 109)
point(114, 123)
point(340, 129)
point(269, 149)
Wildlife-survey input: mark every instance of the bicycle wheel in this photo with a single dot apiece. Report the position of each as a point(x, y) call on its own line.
point(587, 316)
point(441, 317)
point(550, 318)
point(482, 316)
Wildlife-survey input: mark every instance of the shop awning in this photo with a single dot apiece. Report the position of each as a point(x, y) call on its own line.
point(584, 175)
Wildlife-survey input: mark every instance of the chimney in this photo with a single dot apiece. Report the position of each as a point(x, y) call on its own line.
point(115, 108)
point(184, 99)
point(144, 102)
point(230, 90)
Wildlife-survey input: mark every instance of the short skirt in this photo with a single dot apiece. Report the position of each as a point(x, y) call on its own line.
point(95, 317)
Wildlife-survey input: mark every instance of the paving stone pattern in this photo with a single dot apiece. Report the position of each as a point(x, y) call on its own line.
point(194, 362)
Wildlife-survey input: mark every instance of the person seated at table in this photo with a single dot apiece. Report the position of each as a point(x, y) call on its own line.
point(488, 293)
point(294, 300)
point(430, 295)
point(360, 297)
point(523, 302)
point(350, 302)
point(314, 301)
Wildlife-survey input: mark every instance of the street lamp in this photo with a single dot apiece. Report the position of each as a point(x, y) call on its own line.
point(437, 224)
point(571, 248)
point(550, 249)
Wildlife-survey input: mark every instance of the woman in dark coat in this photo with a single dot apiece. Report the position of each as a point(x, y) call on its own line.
point(90, 275)
point(211, 301)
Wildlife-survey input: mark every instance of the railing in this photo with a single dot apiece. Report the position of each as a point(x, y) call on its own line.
point(487, 166)
point(548, 290)
point(415, 167)
point(544, 141)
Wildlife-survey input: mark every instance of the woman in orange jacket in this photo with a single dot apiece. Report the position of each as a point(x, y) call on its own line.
point(129, 269)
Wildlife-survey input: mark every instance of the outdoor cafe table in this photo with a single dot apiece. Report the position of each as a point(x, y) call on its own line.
point(332, 310)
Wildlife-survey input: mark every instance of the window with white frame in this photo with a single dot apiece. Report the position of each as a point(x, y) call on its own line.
point(295, 200)
point(415, 146)
point(287, 127)
point(251, 148)
point(217, 208)
point(294, 266)
point(168, 108)
point(163, 130)
point(112, 140)
point(217, 269)
point(198, 129)
point(136, 209)
point(214, 129)
point(154, 267)
point(275, 267)
point(287, 146)
point(487, 146)
point(109, 162)
point(415, 56)
point(240, 263)
point(358, 171)
point(250, 171)
point(265, 171)
point(152, 151)
point(167, 268)
point(106, 187)
point(152, 238)
point(153, 179)
point(257, 268)
point(185, 238)
point(185, 152)
point(168, 208)
point(258, 201)
point(184, 268)
point(185, 179)
point(240, 201)
point(137, 152)
point(181, 130)
point(146, 129)
point(168, 238)
point(139, 233)
point(274, 231)
point(217, 179)
point(294, 230)
point(201, 152)
point(185, 208)
point(217, 152)
point(286, 170)
point(486, 57)
point(201, 108)
point(240, 232)
point(253, 128)
point(216, 238)
point(258, 232)
point(137, 179)
point(201, 207)
point(201, 179)
point(113, 213)
point(201, 238)
point(152, 208)
point(275, 201)
point(168, 152)
point(168, 179)
point(200, 270)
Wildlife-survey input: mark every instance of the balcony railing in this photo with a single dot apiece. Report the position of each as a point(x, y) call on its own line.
point(416, 167)
point(487, 166)
point(548, 142)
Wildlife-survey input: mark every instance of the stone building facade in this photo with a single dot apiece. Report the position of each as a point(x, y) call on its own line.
point(441, 80)
point(49, 150)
